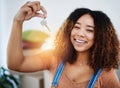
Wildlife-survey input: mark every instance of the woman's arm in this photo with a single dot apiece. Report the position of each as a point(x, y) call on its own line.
point(16, 60)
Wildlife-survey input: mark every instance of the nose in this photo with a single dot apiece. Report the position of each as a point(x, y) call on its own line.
point(81, 32)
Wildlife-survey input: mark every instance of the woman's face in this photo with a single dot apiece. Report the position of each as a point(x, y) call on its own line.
point(82, 34)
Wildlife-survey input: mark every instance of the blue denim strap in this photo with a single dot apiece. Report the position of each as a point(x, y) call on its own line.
point(94, 78)
point(58, 74)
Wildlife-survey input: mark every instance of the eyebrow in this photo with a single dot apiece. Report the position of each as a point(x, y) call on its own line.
point(87, 25)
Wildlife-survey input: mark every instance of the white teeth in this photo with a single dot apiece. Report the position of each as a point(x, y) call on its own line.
point(80, 41)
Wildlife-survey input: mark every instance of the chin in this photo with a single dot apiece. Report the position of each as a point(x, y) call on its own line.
point(81, 50)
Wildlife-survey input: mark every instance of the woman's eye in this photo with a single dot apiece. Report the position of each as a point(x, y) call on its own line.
point(90, 30)
point(76, 27)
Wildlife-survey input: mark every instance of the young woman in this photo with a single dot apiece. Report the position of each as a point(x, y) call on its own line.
point(86, 51)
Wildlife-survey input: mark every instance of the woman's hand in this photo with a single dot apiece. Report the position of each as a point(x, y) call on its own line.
point(29, 10)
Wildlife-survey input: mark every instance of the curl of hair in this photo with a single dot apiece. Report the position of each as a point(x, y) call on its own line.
point(105, 51)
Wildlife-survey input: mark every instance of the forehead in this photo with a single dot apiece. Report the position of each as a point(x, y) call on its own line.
point(87, 19)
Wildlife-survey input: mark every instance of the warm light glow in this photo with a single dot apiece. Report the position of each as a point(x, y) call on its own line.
point(48, 44)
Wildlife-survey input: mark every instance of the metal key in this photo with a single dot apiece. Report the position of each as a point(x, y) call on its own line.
point(44, 23)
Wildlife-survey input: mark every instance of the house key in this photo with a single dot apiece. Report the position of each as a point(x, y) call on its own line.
point(44, 23)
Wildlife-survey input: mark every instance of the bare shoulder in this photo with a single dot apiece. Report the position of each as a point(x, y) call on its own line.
point(107, 72)
point(109, 79)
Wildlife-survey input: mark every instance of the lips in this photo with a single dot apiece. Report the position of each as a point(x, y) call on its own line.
point(79, 41)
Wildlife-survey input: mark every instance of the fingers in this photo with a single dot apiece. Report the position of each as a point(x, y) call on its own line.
point(29, 10)
point(35, 7)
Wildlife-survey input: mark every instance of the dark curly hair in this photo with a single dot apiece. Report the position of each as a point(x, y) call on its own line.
point(105, 51)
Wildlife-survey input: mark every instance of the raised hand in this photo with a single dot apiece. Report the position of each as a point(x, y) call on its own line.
point(29, 10)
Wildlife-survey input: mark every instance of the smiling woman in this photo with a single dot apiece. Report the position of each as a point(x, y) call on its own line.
point(82, 34)
point(57, 11)
point(86, 37)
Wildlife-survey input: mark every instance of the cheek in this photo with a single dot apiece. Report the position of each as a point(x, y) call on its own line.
point(91, 37)
point(73, 32)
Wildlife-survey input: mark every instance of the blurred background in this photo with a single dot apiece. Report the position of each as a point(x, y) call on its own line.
point(57, 10)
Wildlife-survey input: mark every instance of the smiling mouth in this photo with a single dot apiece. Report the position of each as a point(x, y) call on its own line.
point(79, 41)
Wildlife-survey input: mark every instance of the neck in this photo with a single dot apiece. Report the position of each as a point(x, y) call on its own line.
point(82, 58)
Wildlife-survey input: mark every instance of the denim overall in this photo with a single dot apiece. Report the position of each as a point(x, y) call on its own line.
point(59, 72)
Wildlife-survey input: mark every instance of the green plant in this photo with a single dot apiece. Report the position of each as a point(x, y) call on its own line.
point(7, 80)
